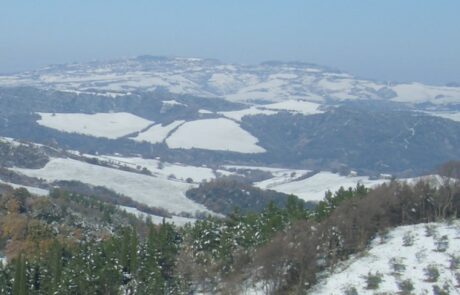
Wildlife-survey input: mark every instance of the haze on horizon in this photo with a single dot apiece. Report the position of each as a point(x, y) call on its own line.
point(384, 40)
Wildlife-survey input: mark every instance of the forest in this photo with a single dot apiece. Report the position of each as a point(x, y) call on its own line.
point(74, 244)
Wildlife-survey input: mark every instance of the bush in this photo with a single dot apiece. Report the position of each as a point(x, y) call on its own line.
point(397, 265)
point(406, 287)
point(431, 273)
point(442, 244)
point(421, 255)
point(454, 262)
point(408, 239)
point(351, 291)
point(384, 235)
point(441, 291)
point(373, 280)
point(430, 231)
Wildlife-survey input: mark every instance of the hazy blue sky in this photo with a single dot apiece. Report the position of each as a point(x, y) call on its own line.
point(402, 40)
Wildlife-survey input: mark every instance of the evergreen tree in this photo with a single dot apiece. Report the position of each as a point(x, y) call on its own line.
point(20, 280)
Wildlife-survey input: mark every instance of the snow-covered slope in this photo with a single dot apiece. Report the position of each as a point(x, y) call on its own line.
point(408, 255)
point(270, 81)
point(158, 133)
point(150, 190)
point(313, 188)
point(109, 125)
point(162, 169)
point(214, 134)
point(177, 220)
point(454, 116)
point(33, 190)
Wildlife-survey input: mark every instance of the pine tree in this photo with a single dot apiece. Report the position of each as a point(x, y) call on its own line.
point(20, 280)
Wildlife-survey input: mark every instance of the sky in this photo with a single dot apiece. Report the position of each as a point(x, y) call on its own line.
point(388, 40)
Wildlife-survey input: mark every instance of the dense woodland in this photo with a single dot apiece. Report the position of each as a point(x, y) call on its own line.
point(225, 194)
point(74, 244)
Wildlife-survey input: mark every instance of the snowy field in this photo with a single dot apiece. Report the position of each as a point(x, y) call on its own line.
point(157, 133)
point(238, 115)
point(214, 134)
point(33, 190)
point(296, 106)
point(109, 125)
point(153, 191)
point(419, 93)
point(162, 169)
point(454, 116)
point(314, 187)
point(177, 220)
point(413, 258)
point(279, 175)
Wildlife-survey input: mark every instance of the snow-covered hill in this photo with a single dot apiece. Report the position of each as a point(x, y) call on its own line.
point(414, 259)
point(270, 81)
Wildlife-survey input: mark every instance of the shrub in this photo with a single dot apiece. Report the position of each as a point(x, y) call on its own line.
point(384, 235)
point(431, 273)
point(430, 231)
point(441, 291)
point(406, 287)
point(351, 291)
point(457, 278)
point(408, 239)
point(397, 265)
point(421, 255)
point(442, 244)
point(373, 280)
point(454, 262)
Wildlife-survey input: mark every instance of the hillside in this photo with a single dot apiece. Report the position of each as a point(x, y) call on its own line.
point(74, 243)
point(205, 112)
point(269, 81)
point(413, 259)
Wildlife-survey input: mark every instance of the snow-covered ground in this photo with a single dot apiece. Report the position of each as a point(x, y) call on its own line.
point(238, 115)
point(214, 134)
point(162, 169)
point(412, 249)
point(313, 188)
point(158, 133)
point(109, 125)
point(420, 93)
point(150, 190)
point(293, 106)
point(433, 180)
point(454, 116)
point(177, 220)
point(279, 175)
point(275, 82)
point(172, 103)
point(33, 190)
point(297, 106)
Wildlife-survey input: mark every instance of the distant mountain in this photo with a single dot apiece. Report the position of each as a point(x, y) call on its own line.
point(269, 81)
point(204, 112)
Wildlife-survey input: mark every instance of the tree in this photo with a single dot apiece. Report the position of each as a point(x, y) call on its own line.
point(20, 280)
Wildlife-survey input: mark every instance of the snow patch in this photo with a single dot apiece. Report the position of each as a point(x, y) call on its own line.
point(152, 191)
point(299, 106)
point(415, 258)
point(314, 188)
point(177, 220)
point(33, 190)
point(158, 132)
point(238, 115)
point(214, 134)
point(108, 125)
